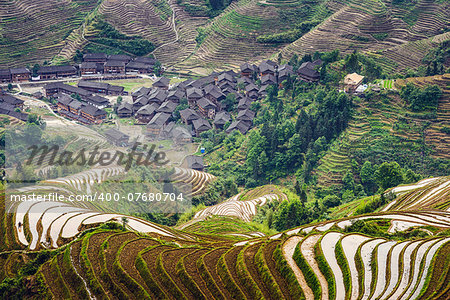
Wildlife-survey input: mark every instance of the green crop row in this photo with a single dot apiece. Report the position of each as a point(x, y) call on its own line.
point(284, 269)
point(227, 279)
point(308, 273)
point(325, 269)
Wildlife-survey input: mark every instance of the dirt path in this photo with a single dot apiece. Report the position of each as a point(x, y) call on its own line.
point(307, 249)
point(174, 25)
point(288, 252)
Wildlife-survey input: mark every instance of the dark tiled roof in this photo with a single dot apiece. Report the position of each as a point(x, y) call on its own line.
point(147, 109)
point(222, 118)
point(94, 55)
point(201, 124)
point(246, 67)
point(194, 92)
point(19, 71)
point(238, 125)
point(167, 107)
point(115, 134)
point(88, 65)
point(115, 63)
point(10, 99)
point(56, 69)
point(206, 104)
point(138, 65)
point(92, 110)
point(93, 84)
point(75, 104)
point(189, 114)
point(245, 115)
point(5, 72)
point(161, 82)
point(121, 57)
point(147, 60)
point(125, 107)
point(159, 120)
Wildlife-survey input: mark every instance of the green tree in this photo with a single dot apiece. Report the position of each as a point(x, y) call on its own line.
point(367, 175)
point(389, 174)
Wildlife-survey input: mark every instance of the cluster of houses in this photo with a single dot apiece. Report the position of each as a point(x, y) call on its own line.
point(206, 97)
point(93, 64)
point(98, 63)
point(12, 106)
point(88, 107)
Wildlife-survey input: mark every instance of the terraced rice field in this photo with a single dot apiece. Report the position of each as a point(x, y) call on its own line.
point(153, 261)
point(34, 31)
point(196, 181)
point(426, 194)
point(50, 224)
point(233, 207)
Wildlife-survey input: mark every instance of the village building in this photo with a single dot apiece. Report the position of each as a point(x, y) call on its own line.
point(241, 126)
point(268, 79)
point(116, 90)
point(244, 80)
point(246, 70)
point(142, 91)
point(20, 74)
point(75, 107)
point(180, 135)
point(98, 101)
point(162, 83)
point(120, 57)
point(95, 57)
point(158, 96)
point(167, 107)
point(94, 86)
point(100, 87)
point(181, 86)
point(225, 77)
point(194, 162)
point(188, 116)
point(138, 67)
point(10, 110)
point(125, 110)
point(114, 67)
point(63, 102)
point(214, 94)
point(59, 87)
point(284, 72)
point(145, 60)
point(244, 103)
point(251, 87)
point(246, 116)
point(15, 102)
point(193, 94)
point(307, 72)
point(54, 72)
point(221, 119)
point(140, 102)
point(146, 113)
point(5, 75)
point(93, 114)
point(88, 68)
point(206, 108)
point(266, 67)
point(352, 81)
point(157, 124)
point(117, 137)
point(176, 96)
point(200, 125)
